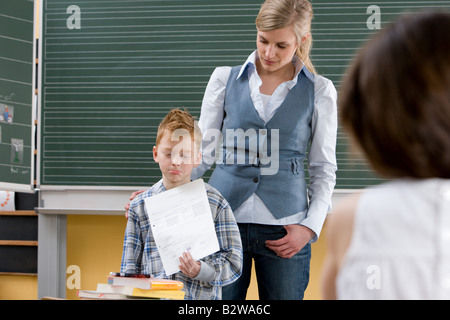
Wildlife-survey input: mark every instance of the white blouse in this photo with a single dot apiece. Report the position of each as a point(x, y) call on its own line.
point(400, 243)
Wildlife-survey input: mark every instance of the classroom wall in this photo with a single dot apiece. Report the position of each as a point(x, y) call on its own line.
point(18, 287)
point(94, 244)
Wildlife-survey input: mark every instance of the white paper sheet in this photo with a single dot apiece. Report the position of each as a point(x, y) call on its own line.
point(181, 221)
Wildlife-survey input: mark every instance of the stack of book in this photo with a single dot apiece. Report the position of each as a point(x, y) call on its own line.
point(135, 287)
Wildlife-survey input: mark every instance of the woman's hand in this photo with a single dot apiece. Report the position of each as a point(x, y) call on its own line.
point(127, 206)
point(296, 238)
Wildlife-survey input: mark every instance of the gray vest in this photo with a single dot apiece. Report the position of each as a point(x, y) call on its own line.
point(266, 158)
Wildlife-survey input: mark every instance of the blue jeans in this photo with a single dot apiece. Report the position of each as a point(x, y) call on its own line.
point(278, 278)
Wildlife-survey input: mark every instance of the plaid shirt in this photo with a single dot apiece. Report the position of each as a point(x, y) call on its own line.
point(140, 254)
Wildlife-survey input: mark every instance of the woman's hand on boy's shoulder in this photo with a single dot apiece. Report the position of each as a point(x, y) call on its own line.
point(133, 195)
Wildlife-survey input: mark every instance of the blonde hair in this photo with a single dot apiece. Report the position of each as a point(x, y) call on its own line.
point(180, 119)
point(276, 14)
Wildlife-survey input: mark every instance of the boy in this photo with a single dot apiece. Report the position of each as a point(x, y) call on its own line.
point(177, 151)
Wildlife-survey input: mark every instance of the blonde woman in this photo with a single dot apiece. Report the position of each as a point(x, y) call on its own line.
point(268, 112)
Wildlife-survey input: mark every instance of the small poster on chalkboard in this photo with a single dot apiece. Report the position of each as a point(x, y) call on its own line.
point(16, 151)
point(7, 201)
point(6, 113)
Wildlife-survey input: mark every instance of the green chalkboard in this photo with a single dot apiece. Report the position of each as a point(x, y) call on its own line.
point(339, 29)
point(16, 95)
point(112, 69)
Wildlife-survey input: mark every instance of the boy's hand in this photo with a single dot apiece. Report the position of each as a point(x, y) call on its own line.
point(188, 266)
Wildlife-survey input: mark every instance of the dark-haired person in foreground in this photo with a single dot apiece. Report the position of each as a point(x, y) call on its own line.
point(392, 241)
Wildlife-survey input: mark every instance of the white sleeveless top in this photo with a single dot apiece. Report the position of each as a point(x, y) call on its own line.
point(400, 247)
